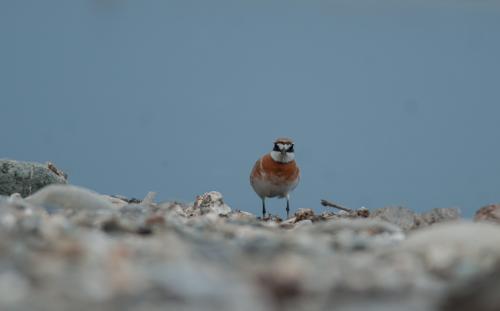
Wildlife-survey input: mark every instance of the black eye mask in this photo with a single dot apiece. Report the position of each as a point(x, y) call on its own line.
point(276, 148)
point(290, 149)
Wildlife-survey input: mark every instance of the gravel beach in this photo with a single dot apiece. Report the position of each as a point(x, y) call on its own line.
point(64, 247)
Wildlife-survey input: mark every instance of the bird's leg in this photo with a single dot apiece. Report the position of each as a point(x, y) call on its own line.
point(287, 207)
point(263, 208)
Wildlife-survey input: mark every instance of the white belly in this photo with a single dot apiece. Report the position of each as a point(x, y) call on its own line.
point(264, 188)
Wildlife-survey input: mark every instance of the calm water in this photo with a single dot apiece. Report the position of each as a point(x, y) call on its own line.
point(389, 103)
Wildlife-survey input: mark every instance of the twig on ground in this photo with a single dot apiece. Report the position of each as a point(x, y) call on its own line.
point(335, 205)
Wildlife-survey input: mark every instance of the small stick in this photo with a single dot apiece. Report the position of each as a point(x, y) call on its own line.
point(335, 205)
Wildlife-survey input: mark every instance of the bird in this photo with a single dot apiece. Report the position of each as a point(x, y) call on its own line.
point(276, 174)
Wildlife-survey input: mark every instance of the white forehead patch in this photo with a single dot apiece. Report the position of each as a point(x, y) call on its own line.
point(283, 146)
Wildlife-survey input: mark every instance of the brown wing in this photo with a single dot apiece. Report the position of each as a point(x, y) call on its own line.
point(255, 173)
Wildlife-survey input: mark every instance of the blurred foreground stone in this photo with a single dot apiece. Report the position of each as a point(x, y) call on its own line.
point(481, 293)
point(407, 220)
point(69, 248)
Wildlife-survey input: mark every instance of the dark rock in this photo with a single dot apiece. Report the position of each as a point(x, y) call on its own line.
point(304, 213)
point(26, 178)
point(363, 212)
point(478, 294)
point(111, 225)
point(281, 287)
point(144, 230)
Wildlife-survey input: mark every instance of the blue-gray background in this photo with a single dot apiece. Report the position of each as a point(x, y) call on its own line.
point(389, 102)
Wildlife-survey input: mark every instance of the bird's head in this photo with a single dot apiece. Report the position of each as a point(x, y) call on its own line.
point(283, 150)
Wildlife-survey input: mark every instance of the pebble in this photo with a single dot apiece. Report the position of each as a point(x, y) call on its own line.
point(489, 213)
point(211, 202)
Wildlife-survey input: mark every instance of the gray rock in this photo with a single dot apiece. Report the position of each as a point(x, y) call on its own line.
point(489, 213)
point(439, 215)
point(243, 217)
point(116, 201)
point(26, 178)
point(94, 252)
point(13, 289)
point(69, 197)
point(149, 199)
point(211, 202)
point(456, 250)
point(408, 220)
point(356, 234)
point(398, 215)
point(3, 199)
point(302, 223)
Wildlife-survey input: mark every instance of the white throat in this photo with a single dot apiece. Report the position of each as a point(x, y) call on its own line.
point(282, 158)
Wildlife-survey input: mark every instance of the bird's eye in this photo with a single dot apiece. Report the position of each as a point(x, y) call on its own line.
point(276, 147)
point(290, 149)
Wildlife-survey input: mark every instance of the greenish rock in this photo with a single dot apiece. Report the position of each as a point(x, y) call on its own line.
point(26, 178)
